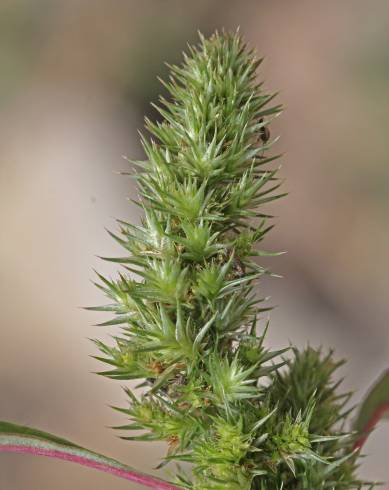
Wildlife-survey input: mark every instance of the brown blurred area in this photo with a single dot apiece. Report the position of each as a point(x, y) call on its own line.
point(76, 79)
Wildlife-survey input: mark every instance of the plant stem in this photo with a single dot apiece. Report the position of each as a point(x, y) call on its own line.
point(101, 464)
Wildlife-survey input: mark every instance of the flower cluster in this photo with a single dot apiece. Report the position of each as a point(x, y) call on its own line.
point(244, 417)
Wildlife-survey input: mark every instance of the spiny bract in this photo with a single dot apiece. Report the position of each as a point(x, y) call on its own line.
point(210, 389)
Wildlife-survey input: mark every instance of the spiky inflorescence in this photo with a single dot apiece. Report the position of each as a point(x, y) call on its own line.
point(210, 388)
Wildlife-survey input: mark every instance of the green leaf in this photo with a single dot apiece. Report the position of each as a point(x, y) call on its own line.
point(18, 439)
point(374, 408)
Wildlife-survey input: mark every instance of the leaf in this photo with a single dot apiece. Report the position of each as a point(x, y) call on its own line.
point(373, 409)
point(19, 439)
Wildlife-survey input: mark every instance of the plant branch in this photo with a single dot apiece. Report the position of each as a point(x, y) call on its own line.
point(25, 440)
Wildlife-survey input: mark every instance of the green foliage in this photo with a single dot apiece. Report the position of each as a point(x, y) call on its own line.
point(375, 406)
point(186, 304)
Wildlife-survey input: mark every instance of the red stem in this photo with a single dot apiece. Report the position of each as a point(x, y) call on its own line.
point(145, 480)
point(377, 415)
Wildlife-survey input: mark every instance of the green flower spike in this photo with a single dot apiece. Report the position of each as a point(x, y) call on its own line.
point(186, 301)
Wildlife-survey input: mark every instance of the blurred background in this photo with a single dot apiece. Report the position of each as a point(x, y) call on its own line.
point(77, 78)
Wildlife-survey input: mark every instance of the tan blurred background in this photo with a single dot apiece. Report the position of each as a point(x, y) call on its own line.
point(76, 79)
